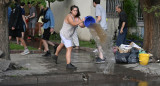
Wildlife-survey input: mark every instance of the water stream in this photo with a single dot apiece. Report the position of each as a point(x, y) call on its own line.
point(102, 39)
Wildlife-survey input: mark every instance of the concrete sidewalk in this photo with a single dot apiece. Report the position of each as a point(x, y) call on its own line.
point(150, 69)
point(39, 70)
point(35, 64)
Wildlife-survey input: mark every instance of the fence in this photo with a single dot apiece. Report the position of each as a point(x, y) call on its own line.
point(111, 6)
point(140, 15)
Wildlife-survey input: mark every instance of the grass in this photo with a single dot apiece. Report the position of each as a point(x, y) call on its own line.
point(56, 41)
point(19, 47)
point(91, 44)
point(81, 43)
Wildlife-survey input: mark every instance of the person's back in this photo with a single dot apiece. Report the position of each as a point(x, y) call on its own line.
point(16, 18)
point(48, 19)
point(101, 19)
point(23, 13)
point(101, 12)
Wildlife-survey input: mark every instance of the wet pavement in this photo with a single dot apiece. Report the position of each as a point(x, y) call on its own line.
point(42, 71)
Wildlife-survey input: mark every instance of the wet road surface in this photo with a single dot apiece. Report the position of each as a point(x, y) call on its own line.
point(87, 74)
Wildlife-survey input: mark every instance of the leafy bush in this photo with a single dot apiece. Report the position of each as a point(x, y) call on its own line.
point(130, 9)
point(134, 37)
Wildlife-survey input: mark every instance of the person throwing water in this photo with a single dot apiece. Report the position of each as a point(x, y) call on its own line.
point(71, 22)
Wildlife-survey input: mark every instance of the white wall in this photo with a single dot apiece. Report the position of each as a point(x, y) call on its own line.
point(61, 9)
point(112, 26)
point(58, 9)
point(139, 30)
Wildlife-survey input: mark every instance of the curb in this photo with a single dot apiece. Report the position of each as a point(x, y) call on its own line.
point(40, 51)
point(31, 51)
point(86, 49)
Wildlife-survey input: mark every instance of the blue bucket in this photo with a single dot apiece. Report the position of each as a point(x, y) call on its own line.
point(89, 20)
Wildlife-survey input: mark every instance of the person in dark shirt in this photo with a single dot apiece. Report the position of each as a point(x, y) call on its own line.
point(23, 19)
point(16, 26)
point(122, 26)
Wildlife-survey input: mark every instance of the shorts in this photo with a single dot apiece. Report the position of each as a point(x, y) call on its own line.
point(66, 42)
point(24, 28)
point(15, 33)
point(46, 34)
point(32, 24)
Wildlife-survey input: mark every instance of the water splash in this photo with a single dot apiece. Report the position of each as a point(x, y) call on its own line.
point(102, 39)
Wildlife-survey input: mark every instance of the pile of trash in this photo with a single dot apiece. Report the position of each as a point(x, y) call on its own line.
point(131, 54)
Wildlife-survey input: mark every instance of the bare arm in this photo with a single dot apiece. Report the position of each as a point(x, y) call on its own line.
point(24, 20)
point(123, 24)
point(32, 16)
point(82, 24)
point(98, 19)
point(70, 21)
point(39, 27)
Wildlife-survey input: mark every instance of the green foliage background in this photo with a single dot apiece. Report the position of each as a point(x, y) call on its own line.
point(130, 7)
point(155, 9)
point(39, 1)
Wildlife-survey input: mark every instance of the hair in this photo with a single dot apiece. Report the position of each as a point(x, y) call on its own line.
point(31, 2)
point(22, 3)
point(74, 6)
point(97, 1)
point(119, 6)
point(16, 1)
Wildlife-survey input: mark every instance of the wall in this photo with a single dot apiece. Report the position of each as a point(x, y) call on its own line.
point(112, 26)
point(139, 30)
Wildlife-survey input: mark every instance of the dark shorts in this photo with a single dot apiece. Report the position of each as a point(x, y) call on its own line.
point(15, 33)
point(24, 28)
point(46, 34)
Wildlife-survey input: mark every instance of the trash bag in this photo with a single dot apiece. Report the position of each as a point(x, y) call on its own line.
point(122, 57)
point(134, 50)
point(133, 57)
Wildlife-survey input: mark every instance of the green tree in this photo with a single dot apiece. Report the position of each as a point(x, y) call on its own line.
point(4, 41)
point(41, 1)
point(152, 26)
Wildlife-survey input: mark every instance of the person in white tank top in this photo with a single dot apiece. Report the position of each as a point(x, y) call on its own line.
point(66, 34)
